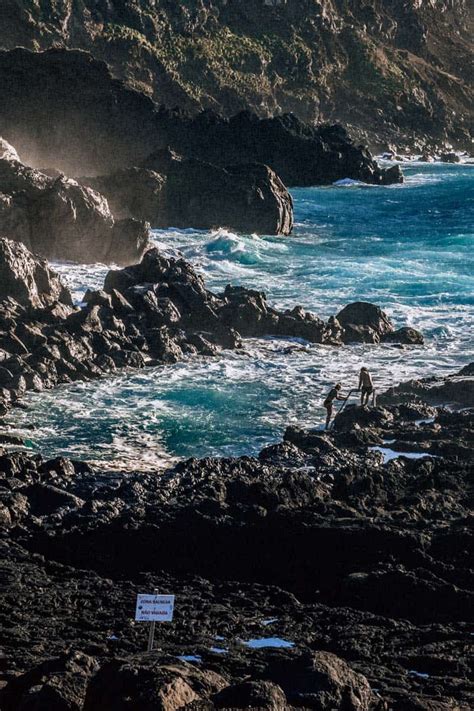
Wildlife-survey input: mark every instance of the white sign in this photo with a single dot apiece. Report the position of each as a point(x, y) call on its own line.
point(154, 608)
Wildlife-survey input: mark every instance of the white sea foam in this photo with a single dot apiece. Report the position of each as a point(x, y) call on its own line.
point(389, 454)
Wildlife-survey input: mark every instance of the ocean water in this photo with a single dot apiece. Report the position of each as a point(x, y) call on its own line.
point(407, 248)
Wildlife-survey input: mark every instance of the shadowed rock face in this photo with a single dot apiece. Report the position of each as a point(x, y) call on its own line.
point(170, 191)
point(101, 126)
point(60, 219)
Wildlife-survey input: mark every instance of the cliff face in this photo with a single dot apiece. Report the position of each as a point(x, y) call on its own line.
point(391, 70)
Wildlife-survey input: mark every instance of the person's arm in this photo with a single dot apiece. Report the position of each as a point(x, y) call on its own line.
point(360, 383)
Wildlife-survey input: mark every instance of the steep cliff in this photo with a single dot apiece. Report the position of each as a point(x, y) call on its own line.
point(390, 70)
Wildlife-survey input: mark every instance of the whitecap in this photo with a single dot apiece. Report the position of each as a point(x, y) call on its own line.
point(389, 454)
point(349, 182)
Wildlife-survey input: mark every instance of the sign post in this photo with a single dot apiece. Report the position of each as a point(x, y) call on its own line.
point(154, 608)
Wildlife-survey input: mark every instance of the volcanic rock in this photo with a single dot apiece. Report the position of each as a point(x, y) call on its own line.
point(360, 568)
point(191, 193)
point(156, 311)
point(364, 322)
point(251, 694)
point(144, 683)
point(27, 279)
point(102, 126)
point(60, 219)
point(405, 335)
point(57, 685)
point(457, 389)
point(362, 416)
point(324, 682)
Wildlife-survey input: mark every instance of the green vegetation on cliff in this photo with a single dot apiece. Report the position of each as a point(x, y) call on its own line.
point(391, 71)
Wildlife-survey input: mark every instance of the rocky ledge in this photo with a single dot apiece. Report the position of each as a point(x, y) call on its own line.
point(157, 311)
point(321, 575)
point(103, 219)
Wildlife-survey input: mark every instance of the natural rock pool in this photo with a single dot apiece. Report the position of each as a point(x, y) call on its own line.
point(407, 248)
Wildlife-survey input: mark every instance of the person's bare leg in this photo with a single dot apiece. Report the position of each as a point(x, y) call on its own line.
point(328, 417)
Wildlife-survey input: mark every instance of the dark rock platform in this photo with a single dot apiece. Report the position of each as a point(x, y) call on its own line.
point(362, 568)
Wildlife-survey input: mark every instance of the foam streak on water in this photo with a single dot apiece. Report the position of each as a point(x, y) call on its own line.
point(407, 248)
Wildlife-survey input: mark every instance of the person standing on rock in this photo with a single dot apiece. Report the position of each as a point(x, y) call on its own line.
point(366, 386)
point(333, 394)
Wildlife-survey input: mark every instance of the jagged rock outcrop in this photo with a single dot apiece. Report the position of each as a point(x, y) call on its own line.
point(101, 126)
point(299, 153)
point(394, 71)
point(27, 279)
point(60, 219)
point(456, 390)
point(170, 191)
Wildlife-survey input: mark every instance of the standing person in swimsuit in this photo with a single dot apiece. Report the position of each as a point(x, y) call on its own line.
point(333, 394)
point(366, 386)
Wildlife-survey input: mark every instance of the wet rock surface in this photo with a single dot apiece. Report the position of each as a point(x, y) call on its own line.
point(354, 571)
point(456, 390)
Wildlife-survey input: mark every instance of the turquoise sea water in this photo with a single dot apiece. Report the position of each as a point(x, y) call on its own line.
point(407, 248)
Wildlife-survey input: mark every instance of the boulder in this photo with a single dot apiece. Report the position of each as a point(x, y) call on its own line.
point(324, 682)
point(251, 694)
point(364, 323)
point(142, 683)
point(170, 191)
point(353, 415)
point(405, 335)
point(27, 278)
point(450, 158)
point(54, 685)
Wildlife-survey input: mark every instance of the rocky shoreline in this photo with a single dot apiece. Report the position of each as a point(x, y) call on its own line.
point(157, 311)
point(346, 552)
point(356, 569)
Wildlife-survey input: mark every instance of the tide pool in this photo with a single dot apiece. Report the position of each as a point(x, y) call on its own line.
point(407, 248)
